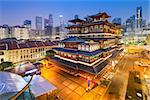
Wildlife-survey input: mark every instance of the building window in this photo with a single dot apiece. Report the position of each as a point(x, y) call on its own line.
point(1, 53)
point(2, 60)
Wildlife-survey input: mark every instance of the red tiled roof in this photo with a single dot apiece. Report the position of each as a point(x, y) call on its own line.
point(76, 20)
point(40, 43)
point(100, 15)
point(23, 45)
point(47, 43)
point(3, 47)
point(32, 44)
point(12, 46)
point(29, 44)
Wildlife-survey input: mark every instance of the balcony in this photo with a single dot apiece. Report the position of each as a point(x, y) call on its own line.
point(96, 31)
point(75, 31)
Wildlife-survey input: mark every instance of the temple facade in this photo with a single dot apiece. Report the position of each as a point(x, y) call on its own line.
point(89, 44)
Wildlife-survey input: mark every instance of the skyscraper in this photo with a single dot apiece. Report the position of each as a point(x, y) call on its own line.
point(50, 20)
point(139, 17)
point(27, 23)
point(148, 24)
point(46, 22)
point(130, 24)
point(38, 23)
point(48, 25)
point(116, 21)
point(61, 22)
point(143, 23)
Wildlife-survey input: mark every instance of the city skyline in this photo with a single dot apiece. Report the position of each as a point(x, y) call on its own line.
point(25, 9)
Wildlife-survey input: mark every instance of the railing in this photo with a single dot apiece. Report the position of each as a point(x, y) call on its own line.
point(75, 31)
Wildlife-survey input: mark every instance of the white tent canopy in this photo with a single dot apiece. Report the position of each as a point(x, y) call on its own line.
point(39, 85)
point(10, 82)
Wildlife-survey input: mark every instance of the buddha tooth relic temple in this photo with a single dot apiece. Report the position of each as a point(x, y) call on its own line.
point(90, 43)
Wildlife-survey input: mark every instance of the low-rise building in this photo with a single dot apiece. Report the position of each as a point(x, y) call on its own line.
point(15, 51)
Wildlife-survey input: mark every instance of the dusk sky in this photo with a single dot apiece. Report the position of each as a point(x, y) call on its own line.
point(14, 12)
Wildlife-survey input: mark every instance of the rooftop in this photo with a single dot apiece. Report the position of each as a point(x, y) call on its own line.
point(77, 66)
point(103, 14)
point(76, 20)
point(88, 53)
point(72, 39)
point(10, 82)
point(14, 44)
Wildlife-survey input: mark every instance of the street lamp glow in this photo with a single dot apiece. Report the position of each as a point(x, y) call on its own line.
point(145, 76)
point(113, 63)
point(116, 61)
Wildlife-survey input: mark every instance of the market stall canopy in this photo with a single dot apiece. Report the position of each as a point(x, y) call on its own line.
point(10, 83)
point(39, 85)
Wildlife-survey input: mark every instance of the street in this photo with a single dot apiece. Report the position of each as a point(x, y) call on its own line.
point(118, 87)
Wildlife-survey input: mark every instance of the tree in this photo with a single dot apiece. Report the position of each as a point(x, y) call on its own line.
point(4, 65)
point(50, 53)
point(148, 39)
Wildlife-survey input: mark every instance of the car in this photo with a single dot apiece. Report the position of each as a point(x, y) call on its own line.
point(139, 94)
point(129, 97)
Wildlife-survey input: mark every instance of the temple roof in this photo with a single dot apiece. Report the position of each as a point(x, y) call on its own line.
point(91, 23)
point(78, 66)
point(87, 53)
point(65, 50)
point(98, 39)
point(76, 20)
point(75, 26)
point(100, 15)
point(72, 39)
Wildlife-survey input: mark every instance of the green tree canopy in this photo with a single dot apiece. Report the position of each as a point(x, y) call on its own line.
point(50, 53)
point(4, 65)
point(148, 39)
